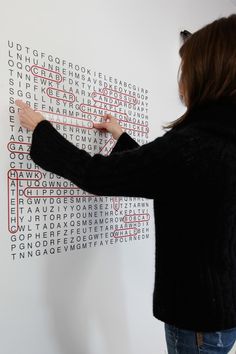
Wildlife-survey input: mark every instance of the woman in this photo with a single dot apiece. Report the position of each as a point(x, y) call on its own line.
point(190, 172)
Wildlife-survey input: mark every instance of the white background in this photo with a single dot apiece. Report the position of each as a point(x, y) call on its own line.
point(96, 301)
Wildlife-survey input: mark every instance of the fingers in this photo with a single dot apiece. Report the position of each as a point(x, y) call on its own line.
point(108, 117)
point(100, 125)
point(27, 116)
point(21, 104)
point(103, 125)
point(109, 124)
point(24, 107)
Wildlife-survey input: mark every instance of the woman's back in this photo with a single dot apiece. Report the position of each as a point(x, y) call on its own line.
point(195, 223)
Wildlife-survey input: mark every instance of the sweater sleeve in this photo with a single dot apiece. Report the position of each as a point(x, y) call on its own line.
point(125, 142)
point(135, 172)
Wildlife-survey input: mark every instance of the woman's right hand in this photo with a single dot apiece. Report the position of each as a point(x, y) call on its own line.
point(111, 125)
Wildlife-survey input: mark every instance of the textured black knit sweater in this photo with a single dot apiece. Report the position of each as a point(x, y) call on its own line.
point(190, 172)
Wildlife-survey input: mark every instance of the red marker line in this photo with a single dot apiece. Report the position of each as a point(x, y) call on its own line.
point(83, 106)
point(108, 152)
point(14, 176)
point(131, 218)
point(111, 143)
point(120, 233)
point(70, 95)
point(50, 192)
point(12, 147)
point(116, 203)
point(18, 173)
point(95, 94)
point(35, 69)
point(88, 123)
point(13, 221)
point(106, 91)
point(140, 128)
point(136, 127)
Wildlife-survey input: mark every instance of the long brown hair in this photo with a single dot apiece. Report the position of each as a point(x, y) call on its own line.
point(208, 67)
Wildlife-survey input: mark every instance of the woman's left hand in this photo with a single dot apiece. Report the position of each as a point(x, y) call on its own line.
point(28, 117)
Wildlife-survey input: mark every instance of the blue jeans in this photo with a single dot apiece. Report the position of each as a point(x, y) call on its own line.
point(181, 341)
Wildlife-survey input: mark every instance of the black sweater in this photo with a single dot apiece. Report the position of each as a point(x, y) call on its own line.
point(190, 172)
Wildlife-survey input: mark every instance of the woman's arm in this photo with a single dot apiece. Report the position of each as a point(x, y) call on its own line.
point(124, 141)
point(139, 172)
point(29, 119)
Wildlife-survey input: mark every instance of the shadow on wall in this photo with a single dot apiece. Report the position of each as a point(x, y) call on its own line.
point(86, 302)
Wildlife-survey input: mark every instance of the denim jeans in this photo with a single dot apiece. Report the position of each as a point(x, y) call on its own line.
point(180, 341)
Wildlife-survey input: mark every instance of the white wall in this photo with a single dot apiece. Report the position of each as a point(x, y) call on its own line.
point(95, 301)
